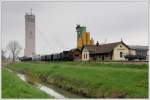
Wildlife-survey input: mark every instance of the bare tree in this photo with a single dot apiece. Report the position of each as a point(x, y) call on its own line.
point(14, 49)
point(3, 54)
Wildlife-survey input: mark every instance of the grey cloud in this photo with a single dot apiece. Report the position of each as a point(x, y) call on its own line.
point(56, 22)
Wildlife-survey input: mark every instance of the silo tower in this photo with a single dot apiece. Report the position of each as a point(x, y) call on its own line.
point(29, 34)
point(80, 30)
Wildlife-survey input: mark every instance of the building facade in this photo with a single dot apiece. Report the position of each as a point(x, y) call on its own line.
point(111, 51)
point(120, 51)
point(29, 35)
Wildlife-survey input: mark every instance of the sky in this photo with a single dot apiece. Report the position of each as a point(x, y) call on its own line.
point(56, 22)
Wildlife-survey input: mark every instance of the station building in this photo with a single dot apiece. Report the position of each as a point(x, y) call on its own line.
point(110, 51)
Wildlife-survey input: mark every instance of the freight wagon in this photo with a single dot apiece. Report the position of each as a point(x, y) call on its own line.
point(63, 56)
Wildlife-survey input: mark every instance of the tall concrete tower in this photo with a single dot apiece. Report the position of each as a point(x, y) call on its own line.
point(29, 34)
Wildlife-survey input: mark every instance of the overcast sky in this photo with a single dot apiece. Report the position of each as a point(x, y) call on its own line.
point(56, 22)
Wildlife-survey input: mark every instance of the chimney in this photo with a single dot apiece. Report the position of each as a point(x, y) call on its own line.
point(97, 44)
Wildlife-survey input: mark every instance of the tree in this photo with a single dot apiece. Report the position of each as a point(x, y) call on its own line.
point(14, 49)
point(3, 52)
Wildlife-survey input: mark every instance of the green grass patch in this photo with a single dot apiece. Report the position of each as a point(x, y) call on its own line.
point(91, 79)
point(13, 87)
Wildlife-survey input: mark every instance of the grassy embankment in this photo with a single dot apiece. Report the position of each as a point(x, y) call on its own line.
point(13, 87)
point(91, 79)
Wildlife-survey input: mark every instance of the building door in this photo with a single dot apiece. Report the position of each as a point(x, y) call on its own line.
point(102, 57)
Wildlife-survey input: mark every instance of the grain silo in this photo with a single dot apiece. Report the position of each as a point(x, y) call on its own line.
point(88, 38)
point(80, 43)
point(84, 38)
point(83, 29)
point(80, 30)
point(91, 41)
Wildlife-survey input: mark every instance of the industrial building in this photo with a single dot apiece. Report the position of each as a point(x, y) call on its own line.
point(139, 50)
point(29, 35)
point(83, 37)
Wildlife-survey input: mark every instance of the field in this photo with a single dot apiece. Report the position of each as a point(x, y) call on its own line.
point(13, 87)
point(90, 79)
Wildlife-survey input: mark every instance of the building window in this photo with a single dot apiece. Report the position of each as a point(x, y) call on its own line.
point(120, 54)
point(85, 56)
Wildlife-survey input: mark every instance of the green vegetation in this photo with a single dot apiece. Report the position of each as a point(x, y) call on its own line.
point(13, 87)
point(96, 80)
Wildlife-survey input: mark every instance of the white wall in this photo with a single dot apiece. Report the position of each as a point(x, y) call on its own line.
point(132, 52)
point(116, 52)
point(85, 55)
point(29, 35)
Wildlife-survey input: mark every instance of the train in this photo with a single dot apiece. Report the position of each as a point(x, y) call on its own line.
point(63, 56)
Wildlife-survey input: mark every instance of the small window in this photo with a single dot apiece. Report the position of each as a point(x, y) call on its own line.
point(120, 54)
point(84, 56)
point(120, 46)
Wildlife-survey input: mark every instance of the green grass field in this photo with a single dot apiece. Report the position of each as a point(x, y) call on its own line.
point(94, 80)
point(13, 87)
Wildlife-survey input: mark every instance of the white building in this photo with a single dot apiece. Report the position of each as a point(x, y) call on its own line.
point(110, 51)
point(29, 35)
